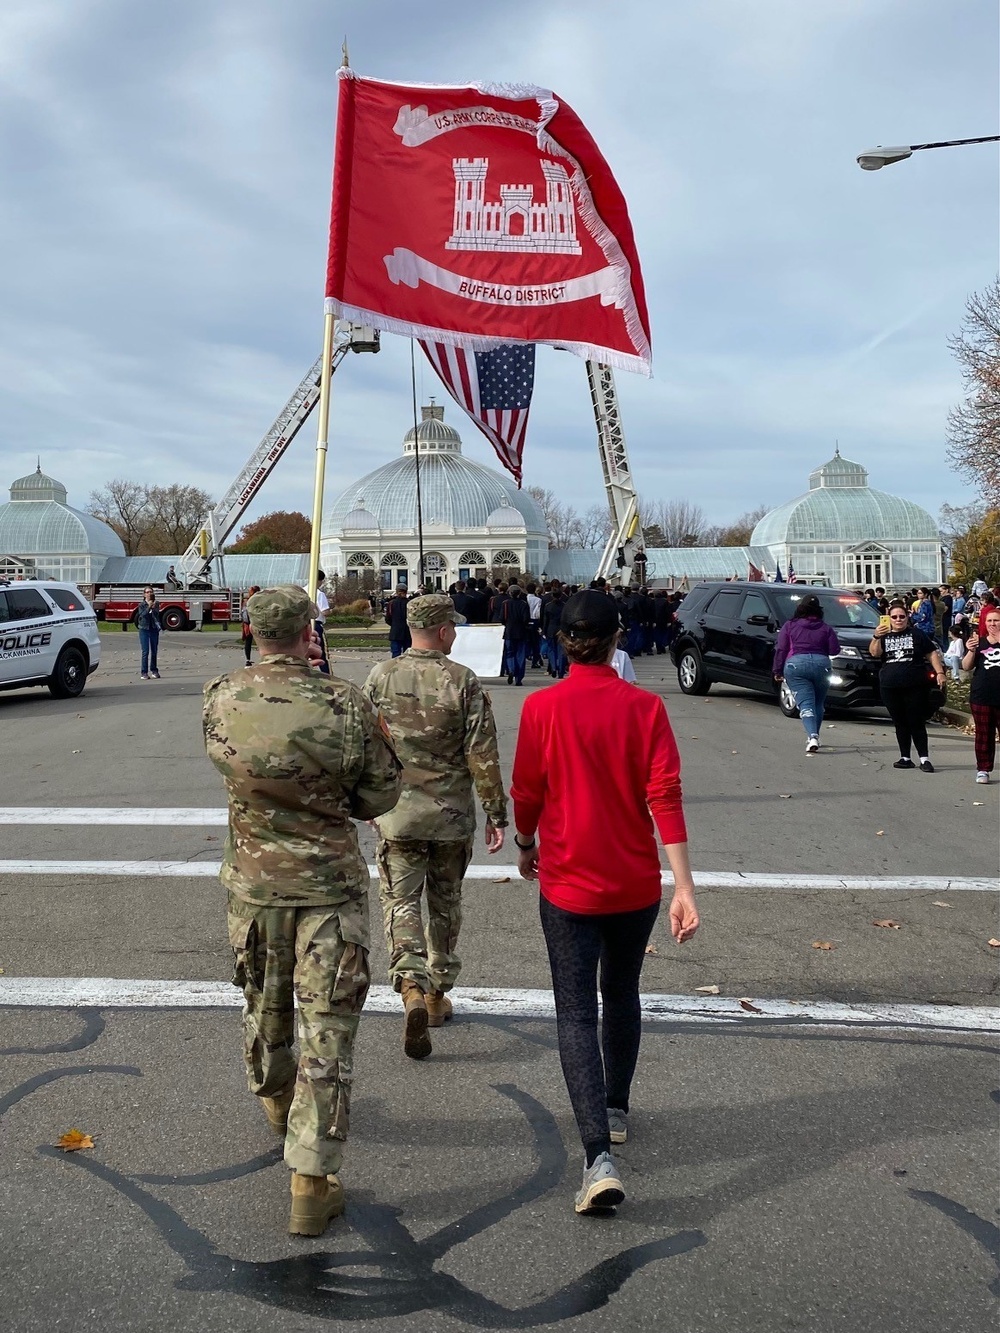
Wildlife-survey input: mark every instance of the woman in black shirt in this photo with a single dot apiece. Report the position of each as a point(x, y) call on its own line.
point(982, 658)
point(904, 682)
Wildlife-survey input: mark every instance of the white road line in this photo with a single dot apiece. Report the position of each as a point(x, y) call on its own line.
point(107, 815)
point(110, 992)
point(704, 879)
point(130, 869)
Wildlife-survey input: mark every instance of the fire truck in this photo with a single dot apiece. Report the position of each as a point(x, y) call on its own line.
point(203, 597)
point(179, 609)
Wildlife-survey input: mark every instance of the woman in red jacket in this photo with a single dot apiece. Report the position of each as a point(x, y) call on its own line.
point(596, 766)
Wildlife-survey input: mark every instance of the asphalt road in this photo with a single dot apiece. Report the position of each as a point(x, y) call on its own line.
point(779, 1176)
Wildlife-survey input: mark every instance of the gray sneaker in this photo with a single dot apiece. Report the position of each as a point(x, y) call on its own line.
point(618, 1124)
point(601, 1186)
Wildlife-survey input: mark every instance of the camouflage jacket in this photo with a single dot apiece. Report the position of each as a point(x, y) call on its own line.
point(442, 726)
point(302, 754)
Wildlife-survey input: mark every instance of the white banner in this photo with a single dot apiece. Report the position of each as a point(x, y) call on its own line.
point(480, 648)
point(403, 266)
point(415, 126)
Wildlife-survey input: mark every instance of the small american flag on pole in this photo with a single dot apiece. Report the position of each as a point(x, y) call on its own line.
point(494, 388)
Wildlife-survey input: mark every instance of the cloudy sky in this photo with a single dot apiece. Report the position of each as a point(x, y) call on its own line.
point(166, 181)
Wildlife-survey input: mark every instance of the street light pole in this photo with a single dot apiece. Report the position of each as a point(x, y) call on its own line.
point(877, 158)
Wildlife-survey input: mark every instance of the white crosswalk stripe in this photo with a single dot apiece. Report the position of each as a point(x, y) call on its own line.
point(469, 1001)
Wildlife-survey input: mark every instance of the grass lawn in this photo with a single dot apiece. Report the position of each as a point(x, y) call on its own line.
point(376, 642)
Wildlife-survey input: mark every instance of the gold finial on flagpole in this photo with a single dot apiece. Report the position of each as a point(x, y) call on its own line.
point(346, 62)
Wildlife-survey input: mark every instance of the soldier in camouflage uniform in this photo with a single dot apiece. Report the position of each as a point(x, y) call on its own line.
point(302, 755)
point(441, 724)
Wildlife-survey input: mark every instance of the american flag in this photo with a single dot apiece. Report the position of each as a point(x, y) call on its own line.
point(792, 576)
point(494, 388)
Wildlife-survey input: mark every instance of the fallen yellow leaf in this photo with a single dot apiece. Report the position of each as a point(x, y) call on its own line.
point(994, 944)
point(784, 795)
point(888, 925)
point(707, 990)
point(74, 1139)
point(880, 833)
point(825, 945)
point(936, 904)
point(651, 948)
point(505, 879)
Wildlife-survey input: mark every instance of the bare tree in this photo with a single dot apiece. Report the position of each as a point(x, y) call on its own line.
point(974, 424)
point(562, 520)
point(594, 527)
point(738, 533)
point(176, 515)
point(680, 522)
point(124, 506)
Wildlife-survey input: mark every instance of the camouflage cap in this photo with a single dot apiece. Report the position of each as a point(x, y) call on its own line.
point(280, 613)
point(431, 610)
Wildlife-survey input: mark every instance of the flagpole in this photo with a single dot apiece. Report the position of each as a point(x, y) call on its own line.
point(416, 462)
point(322, 439)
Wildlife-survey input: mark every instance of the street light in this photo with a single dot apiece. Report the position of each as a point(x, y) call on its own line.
point(877, 158)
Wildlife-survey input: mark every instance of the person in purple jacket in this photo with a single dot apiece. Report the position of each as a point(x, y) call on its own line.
point(802, 658)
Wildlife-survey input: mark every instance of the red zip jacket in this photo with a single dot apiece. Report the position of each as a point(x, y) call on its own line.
point(596, 764)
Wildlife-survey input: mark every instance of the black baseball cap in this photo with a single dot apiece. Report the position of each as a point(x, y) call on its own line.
point(589, 615)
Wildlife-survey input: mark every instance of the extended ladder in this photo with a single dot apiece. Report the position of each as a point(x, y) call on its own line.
point(624, 547)
point(196, 562)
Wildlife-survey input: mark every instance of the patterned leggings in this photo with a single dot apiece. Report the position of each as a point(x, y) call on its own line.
point(987, 720)
point(577, 943)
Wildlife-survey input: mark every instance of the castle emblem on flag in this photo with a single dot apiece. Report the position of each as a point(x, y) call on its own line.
point(516, 223)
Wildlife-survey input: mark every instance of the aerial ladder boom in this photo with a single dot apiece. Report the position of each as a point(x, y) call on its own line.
point(624, 548)
point(196, 562)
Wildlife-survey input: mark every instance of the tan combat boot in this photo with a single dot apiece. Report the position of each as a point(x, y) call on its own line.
point(315, 1200)
point(439, 1008)
point(276, 1109)
point(416, 1043)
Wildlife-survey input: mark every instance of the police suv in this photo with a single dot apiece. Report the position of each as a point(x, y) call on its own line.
point(48, 636)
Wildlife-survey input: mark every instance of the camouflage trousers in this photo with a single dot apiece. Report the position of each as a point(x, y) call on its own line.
point(319, 957)
point(407, 867)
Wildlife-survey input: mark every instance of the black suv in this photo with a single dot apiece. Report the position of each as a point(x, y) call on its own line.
point(727, 632)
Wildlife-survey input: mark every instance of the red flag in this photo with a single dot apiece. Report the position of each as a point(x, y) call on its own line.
point(495, 390)
point(756, 575)
point(480, 215)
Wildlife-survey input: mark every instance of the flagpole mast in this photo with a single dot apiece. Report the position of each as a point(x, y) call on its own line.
point(322, 431)
point(416, 462)
point(322, 440)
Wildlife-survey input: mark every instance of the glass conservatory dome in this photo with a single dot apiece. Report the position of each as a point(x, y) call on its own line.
point(840, 506)
point(455, 491)
point(39, 522)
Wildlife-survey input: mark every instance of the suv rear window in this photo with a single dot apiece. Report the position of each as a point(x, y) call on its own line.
point(66, 600)
point(26, 604)
point(842, 610)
